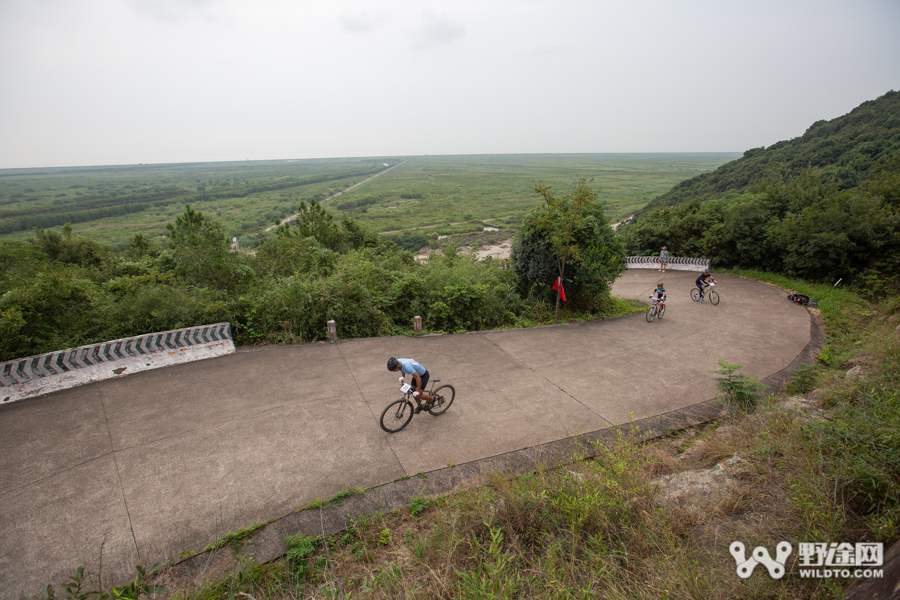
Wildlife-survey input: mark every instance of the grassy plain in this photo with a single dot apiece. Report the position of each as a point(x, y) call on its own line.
point(445, 194)
point(245, 197)
point(436, 191)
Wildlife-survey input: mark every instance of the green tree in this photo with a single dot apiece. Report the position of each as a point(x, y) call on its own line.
point(568, 235)
point(838, 236)
point(138, 246)
point(201, 255)
point(558, 222)
point(67, 248)
point(192, 229)
point(51, 311)
point(288, 255)
point(315, 222)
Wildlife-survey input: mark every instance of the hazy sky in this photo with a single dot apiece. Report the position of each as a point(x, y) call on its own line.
point(89, 82)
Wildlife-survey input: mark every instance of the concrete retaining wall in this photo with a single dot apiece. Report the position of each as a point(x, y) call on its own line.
point(676, 263)
point(35, 375)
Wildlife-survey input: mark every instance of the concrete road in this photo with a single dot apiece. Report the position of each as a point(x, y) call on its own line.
point(142, 467)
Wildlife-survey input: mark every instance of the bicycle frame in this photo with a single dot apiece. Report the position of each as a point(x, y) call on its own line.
point(409, 389)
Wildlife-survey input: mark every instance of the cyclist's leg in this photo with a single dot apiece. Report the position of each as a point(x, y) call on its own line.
point(422, 394)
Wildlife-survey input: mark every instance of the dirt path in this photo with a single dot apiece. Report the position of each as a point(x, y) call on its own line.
point(616, 225)
point(421, 227)
point(290, 218)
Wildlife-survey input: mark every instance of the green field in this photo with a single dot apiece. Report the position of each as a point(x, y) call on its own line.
point(443, 194)
point(435, 191)
point(245, 197)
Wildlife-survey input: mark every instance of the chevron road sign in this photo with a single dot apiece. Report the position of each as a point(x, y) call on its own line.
point(36, 375)
point(676, 263)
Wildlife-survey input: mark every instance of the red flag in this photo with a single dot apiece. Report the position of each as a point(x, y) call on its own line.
point(562, 291)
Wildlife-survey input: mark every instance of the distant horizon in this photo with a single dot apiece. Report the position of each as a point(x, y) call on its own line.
point(324, 158)
point(128, 82)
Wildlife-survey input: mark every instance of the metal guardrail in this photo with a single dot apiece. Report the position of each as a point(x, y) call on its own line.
point(31, 369)
point(676, 263)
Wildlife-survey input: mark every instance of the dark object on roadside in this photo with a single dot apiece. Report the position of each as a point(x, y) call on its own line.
point(801, 299)
point(886, 587)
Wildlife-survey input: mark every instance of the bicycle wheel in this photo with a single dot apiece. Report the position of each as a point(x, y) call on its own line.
point(651, 314)
point(443, 398)
point(397, 415)
point(713, 297)
point(661, 311)
point(695, 295)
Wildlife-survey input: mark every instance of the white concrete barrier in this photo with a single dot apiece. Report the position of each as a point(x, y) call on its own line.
point(676, 263)
point(36, 375)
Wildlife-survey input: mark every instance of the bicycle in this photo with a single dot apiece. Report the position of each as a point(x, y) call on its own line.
point(709, 293)
point(804, 300)
point(399, 413)
point(657, 309)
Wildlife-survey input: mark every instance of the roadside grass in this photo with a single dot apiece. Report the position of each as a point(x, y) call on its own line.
point(542, 313)
point(234, 538)
point(598, 528)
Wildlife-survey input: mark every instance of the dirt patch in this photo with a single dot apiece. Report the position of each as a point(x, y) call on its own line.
point(495, 251)
point(498, 251)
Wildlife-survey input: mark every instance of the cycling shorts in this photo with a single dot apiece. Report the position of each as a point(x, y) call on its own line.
point(424, 380)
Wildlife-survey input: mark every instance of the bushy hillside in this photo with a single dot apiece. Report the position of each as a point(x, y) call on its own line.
point(823, 206)
point(846, 150)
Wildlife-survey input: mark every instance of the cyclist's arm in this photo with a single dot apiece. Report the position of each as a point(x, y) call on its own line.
point(418, 380)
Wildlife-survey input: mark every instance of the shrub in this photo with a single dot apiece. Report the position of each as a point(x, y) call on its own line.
point(738, 391)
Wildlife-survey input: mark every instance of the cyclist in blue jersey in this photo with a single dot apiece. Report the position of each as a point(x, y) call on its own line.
point(419, 380)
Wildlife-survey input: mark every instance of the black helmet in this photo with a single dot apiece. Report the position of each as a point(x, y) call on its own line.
point(706, 270)
point(659, 284)
point(392, 363)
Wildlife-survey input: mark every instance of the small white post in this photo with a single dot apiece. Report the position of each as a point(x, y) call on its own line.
point(417, 324)
point(332, 331)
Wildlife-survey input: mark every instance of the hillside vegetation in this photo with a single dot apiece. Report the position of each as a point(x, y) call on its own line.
point(847, 151)
point(823, 206)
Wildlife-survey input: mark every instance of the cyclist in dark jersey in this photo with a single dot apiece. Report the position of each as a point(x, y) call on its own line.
point(660, 292)
point(420, 377)
point(702, 280)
